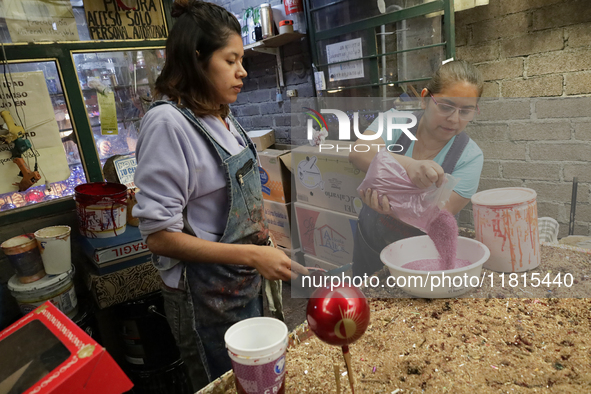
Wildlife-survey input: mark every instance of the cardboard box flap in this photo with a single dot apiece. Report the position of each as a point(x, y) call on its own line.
point(258, 133)
point(283, 155)
point(262, 138)
point(286, 160)
point(275, 175)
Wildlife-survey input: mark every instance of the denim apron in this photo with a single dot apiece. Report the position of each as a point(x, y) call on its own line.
point(376, 231)
point(223, 294)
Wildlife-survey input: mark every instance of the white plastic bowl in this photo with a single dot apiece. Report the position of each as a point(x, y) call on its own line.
point(434, 284)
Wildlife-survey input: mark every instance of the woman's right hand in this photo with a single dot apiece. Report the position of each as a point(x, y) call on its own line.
point(424, 173)
point(273, 264)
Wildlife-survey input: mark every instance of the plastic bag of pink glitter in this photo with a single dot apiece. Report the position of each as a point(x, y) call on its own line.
point(408, 203)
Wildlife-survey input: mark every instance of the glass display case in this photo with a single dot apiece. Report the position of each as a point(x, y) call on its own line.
point(59, 188)
point(130, 75)
point(82, 65)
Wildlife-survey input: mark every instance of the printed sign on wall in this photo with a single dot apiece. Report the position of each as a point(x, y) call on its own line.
point(31, 101)
point(125, 167)
point(125, 19)
point(40, 20)
point(341, 51)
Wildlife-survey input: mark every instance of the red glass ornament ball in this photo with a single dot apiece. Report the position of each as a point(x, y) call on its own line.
point(34, 195)
point(338, 317)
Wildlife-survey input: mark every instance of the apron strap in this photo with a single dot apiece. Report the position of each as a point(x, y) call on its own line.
point(453, 155)
point(223, 153)
point(403, 140)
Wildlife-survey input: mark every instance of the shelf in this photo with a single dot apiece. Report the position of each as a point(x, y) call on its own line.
point(118, 120)
point(271, 46)
point(273, 42)
point(117, 87)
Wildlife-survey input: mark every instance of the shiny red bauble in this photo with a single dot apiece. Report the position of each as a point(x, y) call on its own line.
point(338, 317)
point(34, 196)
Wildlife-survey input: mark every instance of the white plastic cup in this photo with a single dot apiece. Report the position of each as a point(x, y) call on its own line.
point(257, 348)
point(54, 245)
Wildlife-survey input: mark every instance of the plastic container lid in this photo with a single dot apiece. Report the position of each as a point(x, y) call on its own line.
point(286, 22)
point(504, 196)
point(19, 240)
point(46, 282)
point(53, 232)
point(256, 337)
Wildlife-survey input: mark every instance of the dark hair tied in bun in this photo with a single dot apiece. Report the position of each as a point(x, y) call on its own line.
point(180, 7)
point(200, 29)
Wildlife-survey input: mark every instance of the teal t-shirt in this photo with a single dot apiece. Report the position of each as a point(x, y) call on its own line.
point(467, 169)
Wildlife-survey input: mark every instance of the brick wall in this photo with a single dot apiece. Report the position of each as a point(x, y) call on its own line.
point(539, 51)
point(256, 107)
point(525, 49)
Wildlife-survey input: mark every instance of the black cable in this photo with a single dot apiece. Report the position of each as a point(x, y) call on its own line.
point(12, 97)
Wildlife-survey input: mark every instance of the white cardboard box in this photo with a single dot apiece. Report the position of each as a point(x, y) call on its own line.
point(324, 234)
point(275, 171)
point(326, 178)
point(262, 139)
point(278, 217)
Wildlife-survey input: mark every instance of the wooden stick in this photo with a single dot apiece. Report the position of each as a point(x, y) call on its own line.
point(337, 376)
point(347, 357)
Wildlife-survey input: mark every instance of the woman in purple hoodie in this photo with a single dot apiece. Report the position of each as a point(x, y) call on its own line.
point(200, 203)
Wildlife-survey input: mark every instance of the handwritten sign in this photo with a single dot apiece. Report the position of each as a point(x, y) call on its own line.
point(341, 51)
point(40, 20)
point(31, 99)
point(107, 112)
point(125, 168)
point(125, 19)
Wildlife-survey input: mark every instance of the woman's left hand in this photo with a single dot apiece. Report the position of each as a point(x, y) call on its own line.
point(380, 205)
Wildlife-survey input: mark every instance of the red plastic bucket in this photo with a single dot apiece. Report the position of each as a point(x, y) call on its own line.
point(101, 208)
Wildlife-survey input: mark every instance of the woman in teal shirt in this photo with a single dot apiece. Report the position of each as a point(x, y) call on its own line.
point(449, 103)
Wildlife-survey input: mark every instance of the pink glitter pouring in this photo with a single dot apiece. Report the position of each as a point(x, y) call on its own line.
point(443, 231)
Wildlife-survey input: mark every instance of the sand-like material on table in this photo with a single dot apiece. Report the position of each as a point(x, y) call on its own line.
point(485, 343)
point(456, 346)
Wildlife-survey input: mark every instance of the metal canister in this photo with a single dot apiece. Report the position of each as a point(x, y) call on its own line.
point(267, 20)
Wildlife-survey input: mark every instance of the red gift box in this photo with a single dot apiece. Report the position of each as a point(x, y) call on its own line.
point(45, 352)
